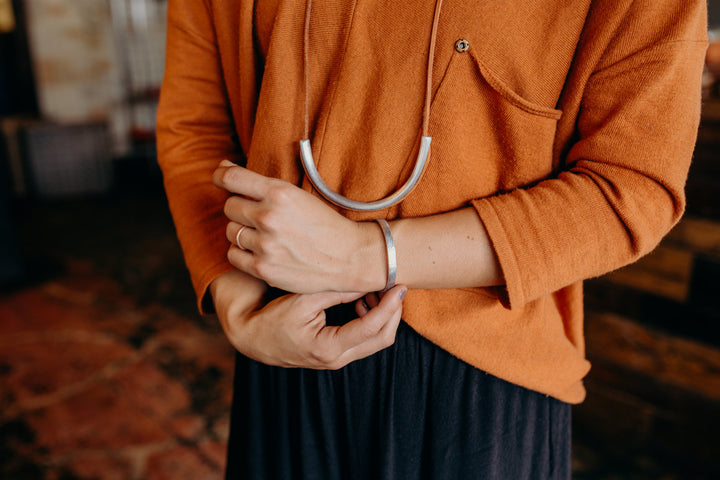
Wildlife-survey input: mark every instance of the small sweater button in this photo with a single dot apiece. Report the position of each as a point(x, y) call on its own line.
point(462, 45)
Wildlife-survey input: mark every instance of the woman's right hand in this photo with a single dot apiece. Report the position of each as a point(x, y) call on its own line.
point(291, 331)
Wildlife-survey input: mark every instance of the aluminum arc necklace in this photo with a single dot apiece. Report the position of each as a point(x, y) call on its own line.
point(306, 150)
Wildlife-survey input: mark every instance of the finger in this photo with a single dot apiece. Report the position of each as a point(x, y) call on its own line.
point(242, 260)
point(361, 307)
point(219, 173)
point(384, 339)
point(372, 299)
point(369, 326)
point(241, 210)
point(242, 236)
point(242, 181)
point(220, 170)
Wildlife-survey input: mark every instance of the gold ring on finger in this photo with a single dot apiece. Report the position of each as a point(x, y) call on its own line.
point(237, 237)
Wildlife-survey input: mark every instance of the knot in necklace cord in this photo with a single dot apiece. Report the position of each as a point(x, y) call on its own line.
point(306, 150)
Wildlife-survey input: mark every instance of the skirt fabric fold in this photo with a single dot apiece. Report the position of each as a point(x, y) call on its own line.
point(411, 411)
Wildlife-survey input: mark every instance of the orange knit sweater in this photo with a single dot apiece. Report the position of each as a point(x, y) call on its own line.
point(569, 126)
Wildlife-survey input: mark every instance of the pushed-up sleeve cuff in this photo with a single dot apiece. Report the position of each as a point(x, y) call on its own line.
point(512, 293)
point(621, 188)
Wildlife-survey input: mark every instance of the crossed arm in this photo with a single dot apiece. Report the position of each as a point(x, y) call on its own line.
point(296, 242)
point(621, 192)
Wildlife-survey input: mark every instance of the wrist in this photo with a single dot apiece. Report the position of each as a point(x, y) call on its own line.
point(236, 293)
point(369, 262)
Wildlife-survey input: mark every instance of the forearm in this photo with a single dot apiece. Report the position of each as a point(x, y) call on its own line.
point(448, 250)
point(296, 242)
point(234, 295)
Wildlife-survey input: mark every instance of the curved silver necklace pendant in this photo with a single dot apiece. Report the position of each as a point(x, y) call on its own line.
point(331, 195)
point(424, 151)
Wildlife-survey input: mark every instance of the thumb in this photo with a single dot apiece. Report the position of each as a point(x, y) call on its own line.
point(393, 298)
point(355, 335)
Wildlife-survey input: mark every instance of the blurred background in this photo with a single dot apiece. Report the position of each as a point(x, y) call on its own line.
point(108, 372)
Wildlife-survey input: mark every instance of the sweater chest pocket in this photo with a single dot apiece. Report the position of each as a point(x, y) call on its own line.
point(486, 139)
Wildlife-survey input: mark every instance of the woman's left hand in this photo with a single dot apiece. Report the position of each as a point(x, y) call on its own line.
point(293, 240)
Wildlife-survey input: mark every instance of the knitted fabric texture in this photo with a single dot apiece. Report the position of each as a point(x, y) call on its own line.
point(569, 126)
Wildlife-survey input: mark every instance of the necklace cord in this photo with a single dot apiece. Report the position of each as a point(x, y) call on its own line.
point(430, 64)
point(429, 74)
point(306, 66)
point(423, 150)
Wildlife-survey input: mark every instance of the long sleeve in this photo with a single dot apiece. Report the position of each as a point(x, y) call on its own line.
point(583, 114)
point(622, 186)
point(196, 130)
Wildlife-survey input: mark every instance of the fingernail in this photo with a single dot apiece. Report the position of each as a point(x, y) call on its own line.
point(226, 163)
point(403, 293)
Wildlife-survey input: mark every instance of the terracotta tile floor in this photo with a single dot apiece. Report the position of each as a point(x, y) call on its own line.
point(106, 370)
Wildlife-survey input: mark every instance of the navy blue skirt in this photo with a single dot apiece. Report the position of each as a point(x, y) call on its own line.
point(411, 411)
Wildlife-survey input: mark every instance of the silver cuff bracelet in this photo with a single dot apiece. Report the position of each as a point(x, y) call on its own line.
point(391, 257)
